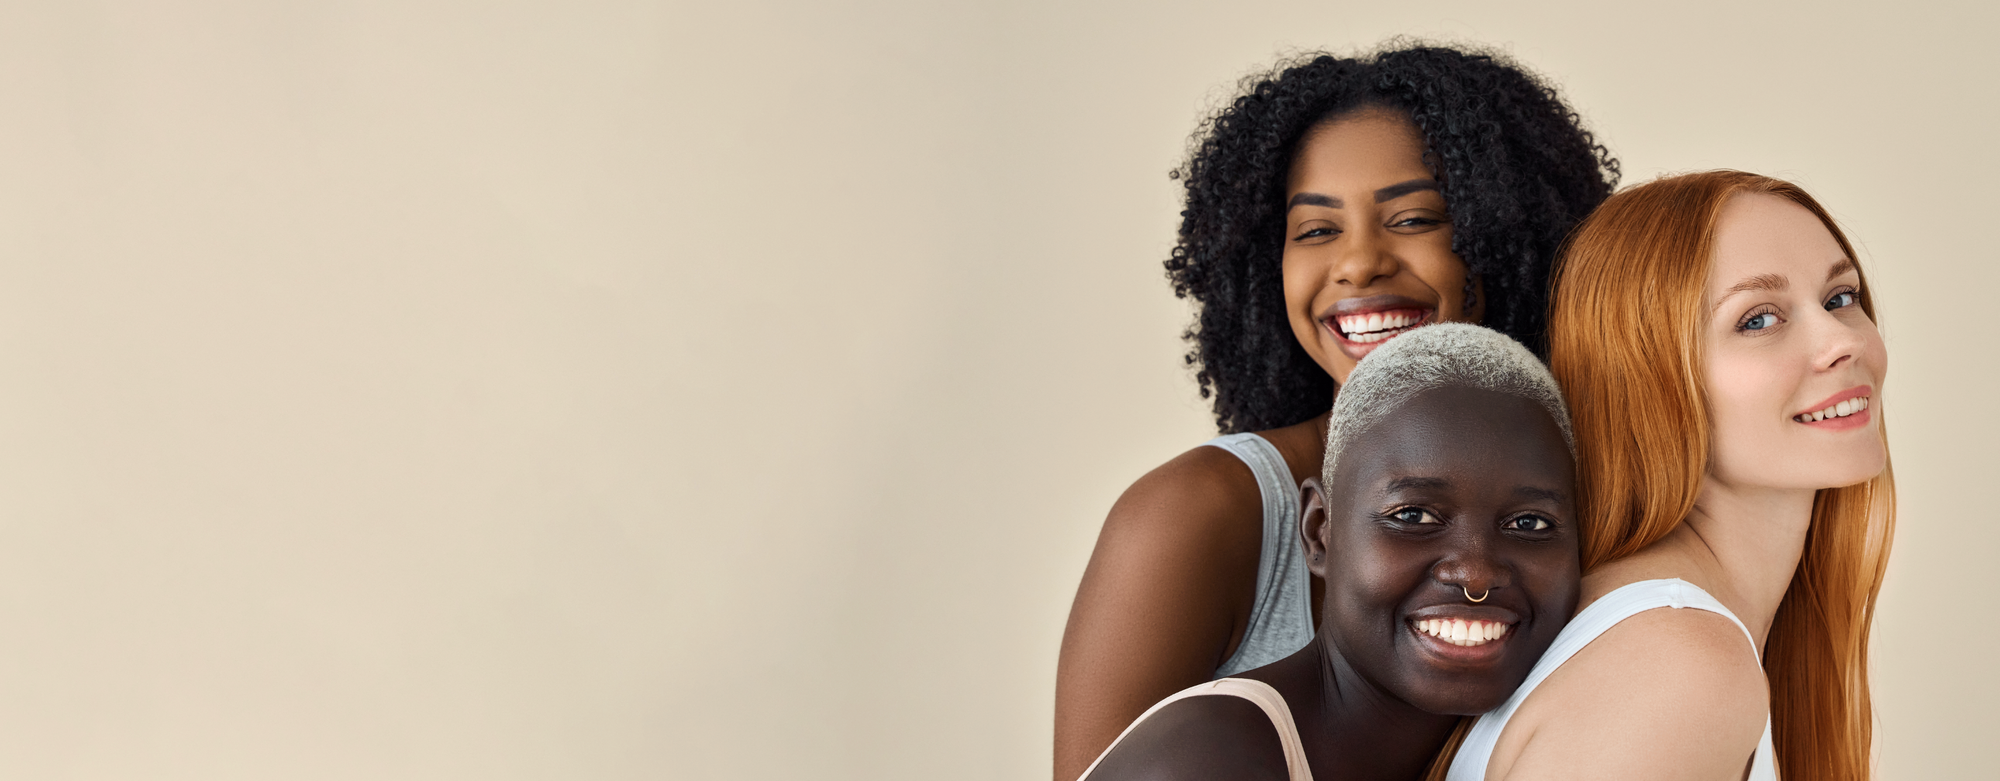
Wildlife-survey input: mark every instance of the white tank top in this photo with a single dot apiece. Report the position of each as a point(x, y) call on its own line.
point(1624, 602)
point(1259, 692)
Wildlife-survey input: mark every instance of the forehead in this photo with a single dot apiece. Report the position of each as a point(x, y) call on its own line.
point(1478, 436)
point(1363, 150)
point(1758, 233)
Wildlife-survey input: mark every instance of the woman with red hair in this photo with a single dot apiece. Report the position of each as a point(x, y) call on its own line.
point(1717, 345)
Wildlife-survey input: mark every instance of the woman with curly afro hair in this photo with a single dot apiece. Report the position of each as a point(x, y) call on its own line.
point(1335, 204)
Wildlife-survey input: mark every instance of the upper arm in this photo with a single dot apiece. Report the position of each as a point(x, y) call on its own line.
point(1210, 738)
point(1168, 588)
point(1665, 694)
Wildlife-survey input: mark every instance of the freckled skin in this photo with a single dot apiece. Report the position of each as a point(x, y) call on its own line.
point(1435, 499)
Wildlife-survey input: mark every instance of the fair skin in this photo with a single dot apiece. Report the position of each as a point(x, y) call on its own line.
point(1170, 587)
point(1677, 694)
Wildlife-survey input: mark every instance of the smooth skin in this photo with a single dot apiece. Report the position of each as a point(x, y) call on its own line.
point(1677, 694)
point(1457, 490)
point(1170, 586)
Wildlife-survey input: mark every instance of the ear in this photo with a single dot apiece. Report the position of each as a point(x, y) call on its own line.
point(1312, 525)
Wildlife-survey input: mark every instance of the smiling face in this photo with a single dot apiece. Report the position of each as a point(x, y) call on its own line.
point(1792, 365)
point(1367, 240)
point(1457, 493)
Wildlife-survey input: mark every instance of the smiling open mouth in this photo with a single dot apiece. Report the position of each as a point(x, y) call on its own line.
point(1840, 410)
point(1374, 327)
point(1461, 632)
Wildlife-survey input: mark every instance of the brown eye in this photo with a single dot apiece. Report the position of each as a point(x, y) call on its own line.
point(1414, 515)
point(1528, 523)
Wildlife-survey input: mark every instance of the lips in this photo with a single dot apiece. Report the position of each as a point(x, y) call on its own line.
point(1359, 325)
point(1463, 635)
point(1845, 410)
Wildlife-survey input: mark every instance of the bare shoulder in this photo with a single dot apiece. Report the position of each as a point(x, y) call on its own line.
point(1166, 594)
point(1212, 737)
point(1667, 693)
point(1198, 490)
point(1190, 529)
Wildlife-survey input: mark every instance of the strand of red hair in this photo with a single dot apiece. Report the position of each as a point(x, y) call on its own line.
point(1625, 337)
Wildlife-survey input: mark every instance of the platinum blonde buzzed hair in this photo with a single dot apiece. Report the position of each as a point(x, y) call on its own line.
point(1453, 355)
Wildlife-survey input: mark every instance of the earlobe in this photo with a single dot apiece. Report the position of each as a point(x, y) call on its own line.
point(1312, 525)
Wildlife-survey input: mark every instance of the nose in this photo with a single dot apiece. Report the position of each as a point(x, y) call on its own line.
point(1364, 258)
point(1473, 571)
point(1838, 342)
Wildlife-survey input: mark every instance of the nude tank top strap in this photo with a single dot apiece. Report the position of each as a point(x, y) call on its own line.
point(1623, 602)
point(1281, 615)
point(1266, 699)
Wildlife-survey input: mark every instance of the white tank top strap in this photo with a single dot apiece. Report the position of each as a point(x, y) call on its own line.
point(1624, 602)
point(1259, 692)
point(1281, 615)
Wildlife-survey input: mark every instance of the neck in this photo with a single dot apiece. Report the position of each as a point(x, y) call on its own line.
point(1354, 730)
point(1749, 542)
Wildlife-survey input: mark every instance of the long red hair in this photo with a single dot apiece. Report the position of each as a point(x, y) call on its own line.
point(1625, 336)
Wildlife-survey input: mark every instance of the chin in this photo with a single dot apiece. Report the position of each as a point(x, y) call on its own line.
point(1459, 702)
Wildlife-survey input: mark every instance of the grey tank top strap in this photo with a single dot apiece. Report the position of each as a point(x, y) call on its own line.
point(1281, 618)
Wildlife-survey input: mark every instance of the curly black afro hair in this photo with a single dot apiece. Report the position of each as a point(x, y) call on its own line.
point(1518, 172)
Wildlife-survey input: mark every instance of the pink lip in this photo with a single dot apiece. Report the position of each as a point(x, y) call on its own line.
point(1854, 421)
point(1855, 392)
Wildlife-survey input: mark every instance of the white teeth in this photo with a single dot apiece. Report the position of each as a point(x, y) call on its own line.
point(1840, 410)
point(1461, 632)
point(1375, 327)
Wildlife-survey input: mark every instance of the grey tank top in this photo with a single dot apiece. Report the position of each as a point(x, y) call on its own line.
point(1281, 618)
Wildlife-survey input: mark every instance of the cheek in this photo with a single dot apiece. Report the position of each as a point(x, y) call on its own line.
point(1430, 259)
point(1746, 400)
point(1875, 356)
point(1305, 278)
point(1374, 581)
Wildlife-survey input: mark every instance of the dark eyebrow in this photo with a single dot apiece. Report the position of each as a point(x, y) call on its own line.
point(1400, 189)
point(1770, 282)
point(1313, 199)
point(1845, 265)
point(1545, 494)
point(1405, 483)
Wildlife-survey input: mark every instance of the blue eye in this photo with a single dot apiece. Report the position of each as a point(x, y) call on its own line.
point(1844, 298)
point(1759, 322)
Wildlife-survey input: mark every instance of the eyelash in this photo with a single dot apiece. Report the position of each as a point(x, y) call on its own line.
point(1407, 222)
point(1853, 296)
point(1396, 515)
point(1547, 525)
point(1762, 311)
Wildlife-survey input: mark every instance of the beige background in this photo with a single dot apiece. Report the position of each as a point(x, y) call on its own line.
point(508, 390)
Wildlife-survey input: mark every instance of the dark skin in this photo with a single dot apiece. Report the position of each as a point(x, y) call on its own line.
point(1172, 583)
point(1457, 490)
